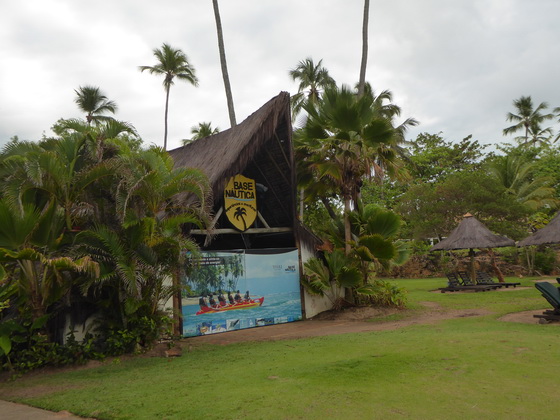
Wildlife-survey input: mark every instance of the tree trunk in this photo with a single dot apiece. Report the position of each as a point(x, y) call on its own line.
point(329, 208)
point(301, 204)
point(362, 82)
point(177, 305)
point(223, 62)
point(347, 230)
point(166, 111)
point(495, 267)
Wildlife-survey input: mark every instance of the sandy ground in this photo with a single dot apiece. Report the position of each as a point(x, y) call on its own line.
point(352, 320)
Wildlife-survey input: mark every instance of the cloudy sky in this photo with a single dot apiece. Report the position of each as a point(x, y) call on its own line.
point(456, 66)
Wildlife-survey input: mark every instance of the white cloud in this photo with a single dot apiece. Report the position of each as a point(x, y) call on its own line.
point(455, 66)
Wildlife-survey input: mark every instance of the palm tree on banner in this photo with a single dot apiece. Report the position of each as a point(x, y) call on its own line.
point(94, 103)
point(313, 79)
point(172, 63)
point(527, 118)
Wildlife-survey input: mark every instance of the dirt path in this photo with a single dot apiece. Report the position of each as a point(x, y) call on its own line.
point(352, 320)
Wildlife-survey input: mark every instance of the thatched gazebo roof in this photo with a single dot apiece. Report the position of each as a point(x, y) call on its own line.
point(471, 233)
point(550, 234)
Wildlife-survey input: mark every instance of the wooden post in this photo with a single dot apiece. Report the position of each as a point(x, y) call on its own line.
point(177, 306)
point(473, 269)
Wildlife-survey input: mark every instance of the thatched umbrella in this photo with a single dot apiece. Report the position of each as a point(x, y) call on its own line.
point(470, 234)
point(550, 234)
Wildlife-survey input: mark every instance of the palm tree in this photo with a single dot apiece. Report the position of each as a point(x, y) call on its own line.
point(390, 154)
point(31, 240)
point(313, 79)
point(362, 81)
point(153, 201)
point(342, 135)
point(374, 245)
point(172, 63)
point(557, 115)
point(528, 118)
point(94, 103)
point(515, 174)
point(58, 172)
point(223, 62)
point(203, 129)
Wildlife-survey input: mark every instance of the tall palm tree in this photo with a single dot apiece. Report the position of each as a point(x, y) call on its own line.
point(94, 103)
point(362, 80)
point(171, 63)
point(527, 118)
point(223, 63)
point(313, 79)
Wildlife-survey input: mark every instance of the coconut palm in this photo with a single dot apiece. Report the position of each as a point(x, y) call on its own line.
point(341, 137)
point(313, 79)
point(527, 119)
point(390, 154)
point(363, 66)
point(223, 63)
point(203, 129)
point(94, 103)
point(516, 175)
point(557, 115)
point(171, 63)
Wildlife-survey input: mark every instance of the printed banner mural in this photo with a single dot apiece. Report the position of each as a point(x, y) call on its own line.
point(231, 290)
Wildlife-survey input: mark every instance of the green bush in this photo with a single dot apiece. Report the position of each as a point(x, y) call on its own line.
point(545, 261)
point(383, 293)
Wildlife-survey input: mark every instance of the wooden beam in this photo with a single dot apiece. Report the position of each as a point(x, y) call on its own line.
point(248, 231)
point(261, 218)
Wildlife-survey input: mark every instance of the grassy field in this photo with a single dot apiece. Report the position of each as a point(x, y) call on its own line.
point(467, 368)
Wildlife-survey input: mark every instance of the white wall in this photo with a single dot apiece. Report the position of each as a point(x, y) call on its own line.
point(313, 304)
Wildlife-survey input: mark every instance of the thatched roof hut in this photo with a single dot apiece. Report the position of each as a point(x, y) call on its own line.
point(471, 233)
point(550, 234)
point(260, 148)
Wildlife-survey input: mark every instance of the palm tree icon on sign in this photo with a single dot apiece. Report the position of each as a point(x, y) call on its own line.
point(240, 213)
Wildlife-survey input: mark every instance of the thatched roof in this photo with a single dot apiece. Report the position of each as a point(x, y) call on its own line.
point(550, 234)
point(229, 152)
point(260, 148)
point(471, 233)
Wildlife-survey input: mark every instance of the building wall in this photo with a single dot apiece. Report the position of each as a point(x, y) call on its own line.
point(313, 304)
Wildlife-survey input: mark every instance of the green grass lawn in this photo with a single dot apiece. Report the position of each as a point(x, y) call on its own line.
point(467, 368)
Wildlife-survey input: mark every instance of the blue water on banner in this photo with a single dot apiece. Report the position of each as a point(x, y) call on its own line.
point(271, 278)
